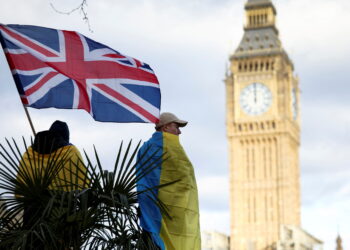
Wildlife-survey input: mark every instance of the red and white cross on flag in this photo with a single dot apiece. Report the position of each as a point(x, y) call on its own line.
point(64, 69)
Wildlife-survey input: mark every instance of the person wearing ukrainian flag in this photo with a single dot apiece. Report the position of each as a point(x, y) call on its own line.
point(51, 147)
point(180, 229)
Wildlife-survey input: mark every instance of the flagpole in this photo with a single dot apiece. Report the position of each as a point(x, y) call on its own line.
point(25, 108)
point(29, 119)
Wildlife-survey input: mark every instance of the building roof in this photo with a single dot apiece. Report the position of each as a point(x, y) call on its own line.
point(260, 41)
point(255, 40)
point(258, 1)
point(252, 4)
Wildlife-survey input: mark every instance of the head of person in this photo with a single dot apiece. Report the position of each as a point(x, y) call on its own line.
point(60, 128)
point(170, 123)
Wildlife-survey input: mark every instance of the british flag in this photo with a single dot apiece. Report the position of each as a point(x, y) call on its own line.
point(66, 70)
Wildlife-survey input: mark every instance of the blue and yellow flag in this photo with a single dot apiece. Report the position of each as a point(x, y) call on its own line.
point(70, 156)
point(181, 231)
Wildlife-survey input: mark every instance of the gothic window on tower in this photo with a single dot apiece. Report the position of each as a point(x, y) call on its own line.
point(247, 161)
point(264, 160)
point(253, 162)
point(266, 209)
point(248, 210)
point(271, 208)
point(289, 234)
point(255, 210)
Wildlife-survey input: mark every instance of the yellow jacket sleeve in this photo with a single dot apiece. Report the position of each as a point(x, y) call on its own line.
point(72, 175)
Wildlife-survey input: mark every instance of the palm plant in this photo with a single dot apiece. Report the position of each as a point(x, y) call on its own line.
point(101, 212)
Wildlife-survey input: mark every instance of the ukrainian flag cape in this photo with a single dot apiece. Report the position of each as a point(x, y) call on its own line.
point(181, 231)
point(73, 161)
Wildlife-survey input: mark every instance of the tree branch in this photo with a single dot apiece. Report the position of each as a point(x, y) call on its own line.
point(82, 8)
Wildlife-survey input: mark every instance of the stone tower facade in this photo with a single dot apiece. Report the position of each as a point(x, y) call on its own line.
point(262, 116)
point(339, 243)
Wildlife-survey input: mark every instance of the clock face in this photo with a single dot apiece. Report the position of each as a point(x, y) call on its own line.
point(255, 99)
point(294, 104)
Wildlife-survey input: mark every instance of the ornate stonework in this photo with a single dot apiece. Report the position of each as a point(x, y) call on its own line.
point(262, 103)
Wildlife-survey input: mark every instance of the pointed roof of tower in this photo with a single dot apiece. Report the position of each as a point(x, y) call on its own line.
point(260, 35)
point(251, 4)
point(257, 2)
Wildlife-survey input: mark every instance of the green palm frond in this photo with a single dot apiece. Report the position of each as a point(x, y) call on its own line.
point(100, 211)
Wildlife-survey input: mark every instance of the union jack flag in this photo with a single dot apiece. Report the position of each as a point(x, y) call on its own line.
point(66, 70)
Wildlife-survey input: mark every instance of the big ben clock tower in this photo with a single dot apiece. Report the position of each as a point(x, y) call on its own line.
point(262, 101)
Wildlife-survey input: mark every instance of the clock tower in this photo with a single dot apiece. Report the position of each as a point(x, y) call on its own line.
point(262, 118)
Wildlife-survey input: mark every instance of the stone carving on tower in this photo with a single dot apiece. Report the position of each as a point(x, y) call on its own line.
point(263, 132)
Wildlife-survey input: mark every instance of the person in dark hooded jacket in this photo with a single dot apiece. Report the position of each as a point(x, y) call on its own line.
point(51, 147)
point(54, 144)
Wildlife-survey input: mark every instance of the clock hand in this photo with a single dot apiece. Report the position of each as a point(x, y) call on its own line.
point(255, 92)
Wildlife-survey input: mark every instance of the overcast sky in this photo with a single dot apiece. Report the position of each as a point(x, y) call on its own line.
point(187, 43)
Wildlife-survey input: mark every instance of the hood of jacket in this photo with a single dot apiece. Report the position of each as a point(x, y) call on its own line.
point(60, 128)
point(47, 142)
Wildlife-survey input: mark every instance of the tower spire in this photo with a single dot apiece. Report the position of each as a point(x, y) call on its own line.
point(259, 14)
point(339, 243)
point(258, 2)
point(260, 33)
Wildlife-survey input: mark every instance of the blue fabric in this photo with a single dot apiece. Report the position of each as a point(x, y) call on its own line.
point(151, 216)
point(108, 85)
point(48, 38)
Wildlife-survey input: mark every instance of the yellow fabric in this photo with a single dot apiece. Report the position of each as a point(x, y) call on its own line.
point(72, 159)
point(182, 231)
